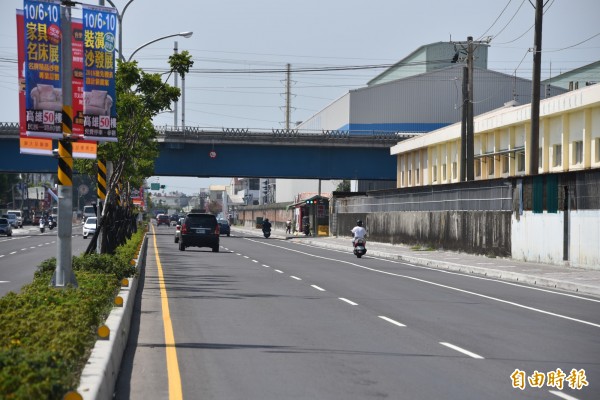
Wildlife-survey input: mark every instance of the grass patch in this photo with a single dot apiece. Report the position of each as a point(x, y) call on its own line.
point(47, 333)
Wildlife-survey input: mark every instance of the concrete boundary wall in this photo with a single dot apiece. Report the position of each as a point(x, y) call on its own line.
point(478, 232)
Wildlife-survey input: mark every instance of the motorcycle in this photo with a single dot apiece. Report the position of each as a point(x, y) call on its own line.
point(306, 229)
point(42, 226)
point(267, 232)
point(360, 247)
point(51, 224)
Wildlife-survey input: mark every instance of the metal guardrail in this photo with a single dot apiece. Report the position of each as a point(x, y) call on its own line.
point(198, 133)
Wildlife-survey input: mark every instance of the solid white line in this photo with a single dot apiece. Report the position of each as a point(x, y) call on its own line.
point(461, 350)
point(457, 289)
point(318, 288)
point(281, 272)
point(562, 395)
point(391, 321)
point(295, 277)
point(348, 301)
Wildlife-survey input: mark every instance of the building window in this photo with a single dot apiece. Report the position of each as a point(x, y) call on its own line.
point(434, 174)
point(521, 161)
point(540, 158)
point(444, 172)
point(417, 182)
point(505, 164)
point(410, 177)
point(402, 183)
point(454, 170)
point(557, 155)
point(478, 168)
point(491, 161)
point(578, 152)
point(597, 150)
point(254, 184)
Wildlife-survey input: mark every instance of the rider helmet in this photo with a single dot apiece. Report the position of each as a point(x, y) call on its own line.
point(359, 222)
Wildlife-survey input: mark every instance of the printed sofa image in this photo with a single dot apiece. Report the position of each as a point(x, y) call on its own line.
point(97, 102)
point(46, 97)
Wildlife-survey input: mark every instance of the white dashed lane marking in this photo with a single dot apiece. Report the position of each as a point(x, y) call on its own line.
point(348, 301)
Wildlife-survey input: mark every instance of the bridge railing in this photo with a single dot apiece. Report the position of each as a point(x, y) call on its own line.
point(196, 132)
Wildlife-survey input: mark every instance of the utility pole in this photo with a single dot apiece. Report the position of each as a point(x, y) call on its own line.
point(175, 80)
point(63, 275)
point(288, 94)
point(463, 126)
point(534, 139)
point(470, 131)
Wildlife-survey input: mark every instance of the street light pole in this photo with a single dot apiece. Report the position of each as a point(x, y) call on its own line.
point(184, 34)
point(120, 19)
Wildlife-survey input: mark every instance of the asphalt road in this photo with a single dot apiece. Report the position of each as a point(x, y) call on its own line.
point(23, 252)
point(274, 319)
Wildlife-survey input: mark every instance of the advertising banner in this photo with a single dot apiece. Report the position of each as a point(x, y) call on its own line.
point(43, 57)
point(99, 94)
point(43, 146)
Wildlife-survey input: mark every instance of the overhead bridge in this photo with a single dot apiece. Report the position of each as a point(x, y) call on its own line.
point(233, 152)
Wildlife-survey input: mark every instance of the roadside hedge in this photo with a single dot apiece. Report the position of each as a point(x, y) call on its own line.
point(46, 334)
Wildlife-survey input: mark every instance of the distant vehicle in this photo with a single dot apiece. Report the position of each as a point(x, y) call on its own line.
point(174, 217)
point(163, 219)
point(88, 211)
point(5, 227)
point(12, 219)
point(19, 216)
point(200, 230)
point(224, 228)
point(178, 229)
point(89, 227)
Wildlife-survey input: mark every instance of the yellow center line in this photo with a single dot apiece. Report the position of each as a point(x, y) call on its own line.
point(175, 391)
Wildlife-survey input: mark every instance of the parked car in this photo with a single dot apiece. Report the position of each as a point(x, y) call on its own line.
point(163, 219)
point(224, 227)
point(5, 227)
point(12, 219)
point(199, 230)
point(178, 229)
point(19, 216)
point(89, 227)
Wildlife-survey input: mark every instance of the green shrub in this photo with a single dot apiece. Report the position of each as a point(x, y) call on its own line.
point(46, 334)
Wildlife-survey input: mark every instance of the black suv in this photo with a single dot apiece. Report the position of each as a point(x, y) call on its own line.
point(199, 230)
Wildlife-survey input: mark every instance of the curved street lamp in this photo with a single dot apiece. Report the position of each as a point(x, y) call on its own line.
point(120, 19)
point(184, 34)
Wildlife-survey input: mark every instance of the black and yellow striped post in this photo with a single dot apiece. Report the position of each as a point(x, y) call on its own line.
point(65, 162)
point(101, 191)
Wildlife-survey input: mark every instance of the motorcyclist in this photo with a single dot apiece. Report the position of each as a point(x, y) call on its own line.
point(266, 225)
point(358, 232)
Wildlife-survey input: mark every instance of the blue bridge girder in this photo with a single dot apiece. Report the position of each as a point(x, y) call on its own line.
point(229, 152)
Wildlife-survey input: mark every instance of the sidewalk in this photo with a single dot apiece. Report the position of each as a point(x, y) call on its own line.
point(578, 280)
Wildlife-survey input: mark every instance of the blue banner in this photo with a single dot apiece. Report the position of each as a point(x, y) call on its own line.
point(99, 94)
point(42, 69)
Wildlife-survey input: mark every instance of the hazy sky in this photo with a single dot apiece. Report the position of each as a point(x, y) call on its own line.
point(235, 39)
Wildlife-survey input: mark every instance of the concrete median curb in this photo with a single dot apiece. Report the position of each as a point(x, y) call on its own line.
point(100, 374)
